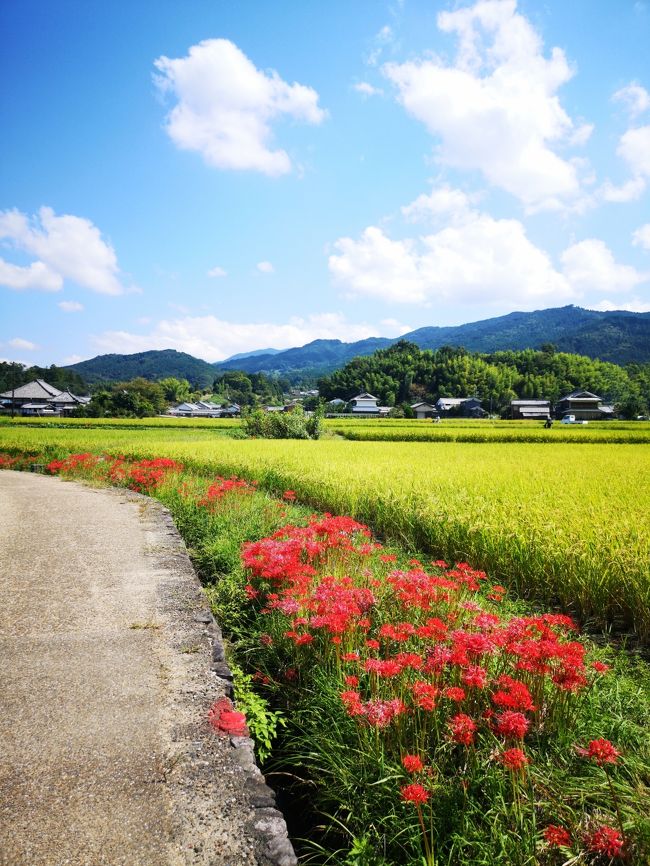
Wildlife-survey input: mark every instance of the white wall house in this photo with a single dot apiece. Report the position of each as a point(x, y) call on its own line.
point(365, 403)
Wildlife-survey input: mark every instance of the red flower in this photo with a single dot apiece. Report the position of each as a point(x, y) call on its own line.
point(463, 728)
point(454, 693)
point(412, 763)
point(415, 793)
point(289, 495)
point(600, 667)
point(601, 752)
point(605, 840)
point(558, 837)
point(514, 759)
point(511, 724)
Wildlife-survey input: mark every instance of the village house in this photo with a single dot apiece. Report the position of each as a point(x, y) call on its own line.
point(584, 406)
point(366, 404)
point(466, 407)
point(531, 410)
point(424, 410)
point(203, 409)
point(40, 398)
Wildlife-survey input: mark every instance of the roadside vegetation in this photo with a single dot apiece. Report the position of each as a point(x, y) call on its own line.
point(419, 715)
point(563, 524)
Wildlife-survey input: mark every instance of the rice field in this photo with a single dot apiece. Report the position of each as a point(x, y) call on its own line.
point(565, 524)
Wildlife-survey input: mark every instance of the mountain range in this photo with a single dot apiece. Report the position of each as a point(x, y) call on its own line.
point(618, 336)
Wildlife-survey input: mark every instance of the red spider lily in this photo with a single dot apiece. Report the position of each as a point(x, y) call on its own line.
point(605, 840)
point(425, 695)
point(601, 752)
point(474, 677)
point(463, 729)
point(454, 693)
point(557, 837)
point(226, 720)
point(289, 495)
point(511, 724)
point(513, 759)
point(414, 793)
point(599, 667)
point(513, 694)
point(412, 763)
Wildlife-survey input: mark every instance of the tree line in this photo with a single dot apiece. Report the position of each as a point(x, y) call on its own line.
point(404, 374)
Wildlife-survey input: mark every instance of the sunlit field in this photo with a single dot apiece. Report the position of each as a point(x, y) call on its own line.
point(563, 523)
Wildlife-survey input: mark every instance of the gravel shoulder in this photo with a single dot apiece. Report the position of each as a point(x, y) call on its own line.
point(109, 661)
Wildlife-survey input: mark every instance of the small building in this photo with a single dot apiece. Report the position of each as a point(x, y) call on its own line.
point(203, 409)
point(40, 398)
point(465, 407)
point(424, 410)
point(531, 410)
point(584, 406)
point(365, 403)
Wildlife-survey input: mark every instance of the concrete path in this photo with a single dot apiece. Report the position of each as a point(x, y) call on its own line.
point(106, 674)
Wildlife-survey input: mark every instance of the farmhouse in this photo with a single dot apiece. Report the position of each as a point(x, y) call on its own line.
point(40, 398)
point(424, 410)
point(466, 407)
point(202, 409)
point(366, 404)
point(538, 410)
point(585, 406)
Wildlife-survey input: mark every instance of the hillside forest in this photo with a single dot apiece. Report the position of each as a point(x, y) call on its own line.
point(404, 374)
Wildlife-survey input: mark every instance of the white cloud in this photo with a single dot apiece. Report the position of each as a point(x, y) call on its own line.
point(634, 147)
point(367, 89)
point(73, 359)
point(225, 107)
point(383, 38)
point(19, 343)
point(214, 339)
point(641, 237)
point(496, 108)
point(475, 258)
point(636, 305)
point(217, 272)
point(635, 98)
point(34, 276)
point(66, 248)
point(590, 266)
point(70, 306)
point(631, 190)
point(442, 202)
point(265, 267)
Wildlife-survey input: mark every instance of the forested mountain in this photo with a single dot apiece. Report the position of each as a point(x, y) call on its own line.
point(154, 365)
point(620, 337)
point(405, 374)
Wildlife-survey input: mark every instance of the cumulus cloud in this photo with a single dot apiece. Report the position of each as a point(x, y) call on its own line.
point(265, 267)
point(634, 148)
point(641, 237)
point(496, 108)
point(214, 339)
point(590, 265)
point(70, 306)
point(225, 107)
point(471, 257)
point(19, 343)
point(217, 272)
point(635, 98)
point(66, 247)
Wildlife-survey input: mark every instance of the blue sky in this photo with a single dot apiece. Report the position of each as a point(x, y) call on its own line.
point(217, 176)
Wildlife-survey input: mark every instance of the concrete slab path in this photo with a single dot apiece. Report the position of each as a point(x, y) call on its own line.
point(106, 674)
